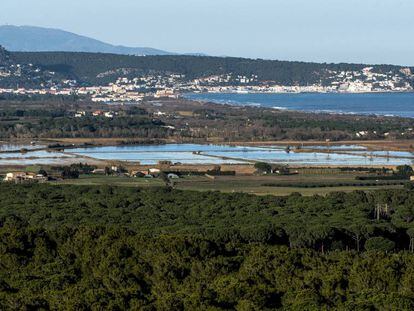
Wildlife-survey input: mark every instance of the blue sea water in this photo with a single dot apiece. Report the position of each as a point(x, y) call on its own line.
point(387, 104)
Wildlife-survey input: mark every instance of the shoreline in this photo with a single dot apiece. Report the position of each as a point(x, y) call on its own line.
point(188, 96)
point(293, 93)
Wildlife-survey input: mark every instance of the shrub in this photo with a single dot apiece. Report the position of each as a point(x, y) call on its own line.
point(379, 244)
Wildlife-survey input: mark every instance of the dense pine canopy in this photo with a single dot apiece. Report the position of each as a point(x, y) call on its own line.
point(89, 247)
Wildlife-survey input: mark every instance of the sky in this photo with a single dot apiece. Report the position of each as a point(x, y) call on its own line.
point(358, 31)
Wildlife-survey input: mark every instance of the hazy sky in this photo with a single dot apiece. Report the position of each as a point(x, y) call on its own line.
point(368, 31)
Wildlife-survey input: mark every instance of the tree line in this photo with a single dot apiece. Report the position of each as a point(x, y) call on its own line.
point(54, 118)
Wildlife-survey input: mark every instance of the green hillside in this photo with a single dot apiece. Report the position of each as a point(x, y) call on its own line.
point(87, 66)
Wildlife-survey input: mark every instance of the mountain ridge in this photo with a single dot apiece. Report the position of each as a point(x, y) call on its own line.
point(40, 39)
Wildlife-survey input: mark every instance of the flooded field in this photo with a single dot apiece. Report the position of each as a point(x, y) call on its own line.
point(340, 155)
point(222, 154)
point(5, 147)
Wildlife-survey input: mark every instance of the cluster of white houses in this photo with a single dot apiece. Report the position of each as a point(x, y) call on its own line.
point(29, 177)
point(170, 85)
point(144, 173)
point(21, 177)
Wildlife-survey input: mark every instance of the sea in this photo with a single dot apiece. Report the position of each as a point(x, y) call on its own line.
point(385, 104)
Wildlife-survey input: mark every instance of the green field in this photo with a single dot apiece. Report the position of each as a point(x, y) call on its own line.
point(113, 180)
point(254, 184)
point(246, 184)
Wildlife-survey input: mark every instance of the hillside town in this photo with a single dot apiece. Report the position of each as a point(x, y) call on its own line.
point(130, 86)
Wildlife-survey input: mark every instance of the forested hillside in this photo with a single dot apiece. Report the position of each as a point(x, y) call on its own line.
point(86, 67)
point(69, 247)
point(4, 56)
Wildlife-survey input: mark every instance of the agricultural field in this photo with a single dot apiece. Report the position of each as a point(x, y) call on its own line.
point(260, 185)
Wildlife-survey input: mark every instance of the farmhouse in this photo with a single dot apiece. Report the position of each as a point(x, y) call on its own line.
point(97, 113)
point(154, 171)
point(24, 177)
point(99, 171)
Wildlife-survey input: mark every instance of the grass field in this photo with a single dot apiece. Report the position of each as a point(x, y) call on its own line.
point(254, 184)
point(247, 184)
point(113, 180)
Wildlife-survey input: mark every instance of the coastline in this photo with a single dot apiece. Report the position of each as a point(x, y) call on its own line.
point(305, 92)
point(293, 102)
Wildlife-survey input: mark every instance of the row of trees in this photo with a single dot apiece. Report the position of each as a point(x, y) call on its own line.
point(253, 123)
point(132, 126)
point(46, 117)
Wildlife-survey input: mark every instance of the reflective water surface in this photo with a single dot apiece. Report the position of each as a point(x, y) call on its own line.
point(346, 155)
point(211, 154)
